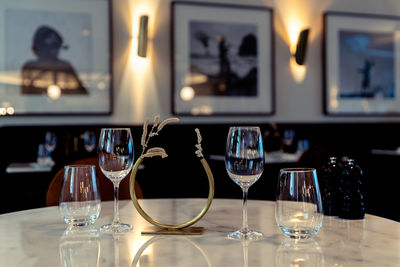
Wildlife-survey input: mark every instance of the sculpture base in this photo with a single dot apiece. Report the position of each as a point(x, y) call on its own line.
point(183, 231)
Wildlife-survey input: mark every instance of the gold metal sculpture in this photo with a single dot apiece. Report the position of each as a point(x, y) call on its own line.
point(182, 228)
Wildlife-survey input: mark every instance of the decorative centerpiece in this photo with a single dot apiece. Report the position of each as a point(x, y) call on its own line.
point(163, 228)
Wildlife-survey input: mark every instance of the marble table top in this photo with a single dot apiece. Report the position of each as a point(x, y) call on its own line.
point(37, 238)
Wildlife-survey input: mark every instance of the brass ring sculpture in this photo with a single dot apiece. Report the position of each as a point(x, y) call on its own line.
point(172, 226)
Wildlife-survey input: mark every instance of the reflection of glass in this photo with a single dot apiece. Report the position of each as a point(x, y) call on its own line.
point(116, 155)
point(80, 196)
point(298, 210)
point(295, 253)
point(244, 162)
point(80, 247)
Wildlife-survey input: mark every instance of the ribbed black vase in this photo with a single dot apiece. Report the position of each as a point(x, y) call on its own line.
point(351, 192)
point(329, 183)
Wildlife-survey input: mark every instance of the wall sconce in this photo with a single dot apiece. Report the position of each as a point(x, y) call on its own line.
point(142, 40)
point(301, 47)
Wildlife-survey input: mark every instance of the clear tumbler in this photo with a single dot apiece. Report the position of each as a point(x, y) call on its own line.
point(298, 209)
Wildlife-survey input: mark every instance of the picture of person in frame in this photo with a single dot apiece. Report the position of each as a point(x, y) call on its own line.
point(48, 70)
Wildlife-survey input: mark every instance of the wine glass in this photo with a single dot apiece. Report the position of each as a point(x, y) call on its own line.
point(298, 210)
point(244, 162)
point(89, 141)
point(80, 196)
point(50, 142)
point(116, 155)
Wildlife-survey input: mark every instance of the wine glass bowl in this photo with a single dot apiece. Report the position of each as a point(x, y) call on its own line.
point(244, 162)
point(116, 155)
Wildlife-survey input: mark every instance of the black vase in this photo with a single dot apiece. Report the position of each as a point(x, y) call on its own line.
point(351, 192)
point(329, 183)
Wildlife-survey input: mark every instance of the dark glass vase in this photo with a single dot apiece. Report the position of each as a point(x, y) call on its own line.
point(351, 192)
point(330, 175)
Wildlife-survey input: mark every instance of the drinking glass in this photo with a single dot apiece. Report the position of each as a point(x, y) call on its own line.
point(116, 155)
point(298, 210)
point(89, 141)
point(50, 141)
point(244, 162)
point(80, 197)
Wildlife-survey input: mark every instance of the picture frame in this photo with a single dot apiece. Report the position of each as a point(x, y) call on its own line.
point(55, 57)
point(361, 64)
point(222, 59)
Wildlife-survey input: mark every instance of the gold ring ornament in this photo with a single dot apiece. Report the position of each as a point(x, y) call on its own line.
point(158, 151)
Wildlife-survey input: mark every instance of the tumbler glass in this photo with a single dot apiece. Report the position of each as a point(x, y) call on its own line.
point(298, 210)
point(80, 196)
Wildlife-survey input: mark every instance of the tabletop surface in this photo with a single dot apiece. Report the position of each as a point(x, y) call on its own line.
point(37, 238)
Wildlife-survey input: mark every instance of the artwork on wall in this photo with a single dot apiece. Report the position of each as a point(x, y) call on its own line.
point(222, 59)
point(362, 64)
point(55, 57)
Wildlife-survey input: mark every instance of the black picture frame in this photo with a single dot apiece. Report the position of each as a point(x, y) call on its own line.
point(361, 64)
point(222, 59)
point(56, 57)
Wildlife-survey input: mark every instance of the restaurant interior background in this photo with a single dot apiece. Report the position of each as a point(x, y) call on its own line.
point(142, 89)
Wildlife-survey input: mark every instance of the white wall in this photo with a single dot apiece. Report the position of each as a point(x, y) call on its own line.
point(142, 87)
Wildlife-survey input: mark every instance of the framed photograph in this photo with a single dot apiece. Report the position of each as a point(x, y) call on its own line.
point(55, 57)
point(362, 64)
point(222, 59)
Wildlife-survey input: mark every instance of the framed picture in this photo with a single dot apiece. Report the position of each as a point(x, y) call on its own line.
point(362, 64)
point(222, 59)
point(55, 57)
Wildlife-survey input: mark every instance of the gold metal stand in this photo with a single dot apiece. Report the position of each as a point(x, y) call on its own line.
point(173, 229)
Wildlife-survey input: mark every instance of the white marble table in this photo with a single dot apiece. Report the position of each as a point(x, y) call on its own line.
point(35, 238)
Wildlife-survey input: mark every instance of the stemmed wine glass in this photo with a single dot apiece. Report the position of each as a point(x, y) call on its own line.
point(116, 156)
point(244, 162)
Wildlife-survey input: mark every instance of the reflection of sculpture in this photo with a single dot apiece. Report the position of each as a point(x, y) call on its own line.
point(48, 70)
point(224, 64)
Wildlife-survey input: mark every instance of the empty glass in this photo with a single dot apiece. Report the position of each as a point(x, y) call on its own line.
point(89, 141)
point(80, 196)
point(115, 152)
point(244, 162)
point(298, 209)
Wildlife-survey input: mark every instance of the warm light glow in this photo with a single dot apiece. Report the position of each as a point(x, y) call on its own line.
point(54, 91)
point(298, 71)
point(187, 93)
point(10, 111)
point(294, 29)
point(3, 111)
point(202, 110)
point(10, 77)
point(196, 78)
point(333, 98)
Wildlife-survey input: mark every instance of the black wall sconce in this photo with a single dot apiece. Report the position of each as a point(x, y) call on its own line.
point(301, 47)
point(142, 39)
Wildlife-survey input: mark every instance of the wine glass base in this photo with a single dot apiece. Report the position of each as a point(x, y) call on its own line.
point(245, 235)
point(116, 228)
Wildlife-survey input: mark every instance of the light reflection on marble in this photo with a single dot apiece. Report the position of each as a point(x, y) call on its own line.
point(34, 238)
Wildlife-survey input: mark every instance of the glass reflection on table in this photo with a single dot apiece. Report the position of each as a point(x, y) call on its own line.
point(80, 247)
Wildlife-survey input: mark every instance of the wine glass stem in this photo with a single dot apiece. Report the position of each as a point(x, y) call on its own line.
point(245, 226)
point(116, 209)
